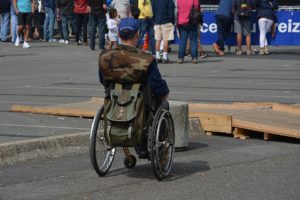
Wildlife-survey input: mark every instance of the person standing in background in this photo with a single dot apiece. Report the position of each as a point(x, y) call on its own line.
point(5, 18)
point(13, 22)
point(81, 10)
point(38, 19)
point(60, 29)
point(224, 22)
point(122, 7)
point(49, 20)
point(266, 17)
point(187, 30)
point(242, 10)
point(112, 25)
point(146, 23)
point(134, 9)
point(164, 19)
point(24, 9)
point(65, 13)
point(97, 19)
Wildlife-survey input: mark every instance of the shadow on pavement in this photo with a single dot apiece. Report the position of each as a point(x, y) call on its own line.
point(210, 61)
point(37, 47)
point(179, 170)
point(143, 171)
point(182, 170)
point(195, 145)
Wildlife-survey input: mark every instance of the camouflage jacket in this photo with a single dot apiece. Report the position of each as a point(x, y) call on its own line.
point(124, 64)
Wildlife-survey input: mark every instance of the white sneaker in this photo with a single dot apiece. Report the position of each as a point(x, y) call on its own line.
point(239, 53)
point(26, 45)
point(66, 41)
point(17, 42)
point(61, 41)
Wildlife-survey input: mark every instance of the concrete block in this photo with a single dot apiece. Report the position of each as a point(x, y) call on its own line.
point(180, 114)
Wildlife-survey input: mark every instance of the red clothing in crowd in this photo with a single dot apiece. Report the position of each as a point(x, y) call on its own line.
point(184, 7)
point(81, 6)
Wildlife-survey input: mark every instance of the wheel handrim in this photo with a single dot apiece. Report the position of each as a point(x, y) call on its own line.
point(164, 147)
point(100, 153)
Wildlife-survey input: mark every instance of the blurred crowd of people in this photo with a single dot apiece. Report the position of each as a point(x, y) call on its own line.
point(160, 20)
point(239, 13)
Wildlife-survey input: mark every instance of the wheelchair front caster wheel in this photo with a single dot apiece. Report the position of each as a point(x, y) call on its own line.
point(130, 161)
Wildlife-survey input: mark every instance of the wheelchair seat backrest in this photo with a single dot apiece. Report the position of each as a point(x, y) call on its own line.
point(124, 116)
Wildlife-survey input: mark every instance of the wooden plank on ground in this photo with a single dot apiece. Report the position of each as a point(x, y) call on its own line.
point(212, 122)
point(254, 104)
point(82, 109)
point(217, 117)
point(234, 106)
point(269, 121)
point(286, 108)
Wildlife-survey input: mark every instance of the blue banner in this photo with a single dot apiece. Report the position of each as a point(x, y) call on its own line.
point(287, 29)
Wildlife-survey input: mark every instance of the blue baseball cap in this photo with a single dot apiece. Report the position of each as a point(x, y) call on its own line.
point(129, 24)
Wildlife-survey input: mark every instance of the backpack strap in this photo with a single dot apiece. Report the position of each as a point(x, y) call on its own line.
point(118, 87)
point(135, 87)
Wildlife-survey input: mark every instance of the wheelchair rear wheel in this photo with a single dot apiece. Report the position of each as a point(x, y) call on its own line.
point(101, 154)
point(162, 143)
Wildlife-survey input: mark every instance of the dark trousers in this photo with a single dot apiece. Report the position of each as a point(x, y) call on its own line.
point(60, 29)
point(96, 21)
point(81, 23)
point(224, 29)
point(38, 21)
point(147, 26)
point(65, 19)
point(191, 33)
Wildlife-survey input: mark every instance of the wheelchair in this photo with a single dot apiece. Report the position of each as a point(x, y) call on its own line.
point(158, 139)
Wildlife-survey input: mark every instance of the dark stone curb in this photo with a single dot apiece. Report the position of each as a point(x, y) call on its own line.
point(55, 146)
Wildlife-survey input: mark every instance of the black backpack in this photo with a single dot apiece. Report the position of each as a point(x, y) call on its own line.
point(196, 16)
point(244, 9)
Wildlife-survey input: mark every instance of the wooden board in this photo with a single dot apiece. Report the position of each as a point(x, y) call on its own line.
point(269, 121)
point(267, 118)
point(295, 109)
point(217, 117)
point(234, 106)
point(82, 109)
point(212, 122)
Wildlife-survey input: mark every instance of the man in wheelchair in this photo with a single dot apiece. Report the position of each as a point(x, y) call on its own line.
point(124, 71)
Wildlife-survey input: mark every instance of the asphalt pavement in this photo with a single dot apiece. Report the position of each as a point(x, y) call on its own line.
point(215, 167)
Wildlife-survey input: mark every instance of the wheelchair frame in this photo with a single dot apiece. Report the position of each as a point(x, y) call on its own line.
point(160, 145)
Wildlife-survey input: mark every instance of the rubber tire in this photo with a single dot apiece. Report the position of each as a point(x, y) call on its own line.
point(160, 173)
point(130, 162)
point(92, 148)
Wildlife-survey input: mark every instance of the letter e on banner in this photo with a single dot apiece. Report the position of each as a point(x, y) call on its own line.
point(282, 27)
